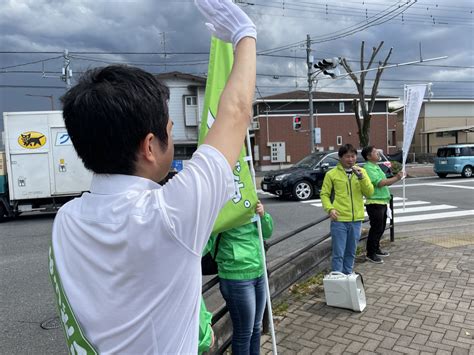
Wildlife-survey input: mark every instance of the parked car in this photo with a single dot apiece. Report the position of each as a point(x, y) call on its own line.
point(454, 159)
point(304, 179)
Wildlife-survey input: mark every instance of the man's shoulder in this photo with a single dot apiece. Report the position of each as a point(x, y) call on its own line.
point(333, 171)
point(371, 167)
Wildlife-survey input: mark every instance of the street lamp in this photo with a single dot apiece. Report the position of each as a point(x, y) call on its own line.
point(51, 97)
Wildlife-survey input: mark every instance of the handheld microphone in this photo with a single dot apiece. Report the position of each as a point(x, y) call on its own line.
point(356, 171)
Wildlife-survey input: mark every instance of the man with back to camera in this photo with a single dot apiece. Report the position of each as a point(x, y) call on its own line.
point(129, 252)
point(349, 183)
point(376, 205)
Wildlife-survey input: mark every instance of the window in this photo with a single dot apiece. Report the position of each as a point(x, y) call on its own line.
point(446, 134)
point(331, 160)
point(339, 140)
point(191, 110)
point(191, 100)
point(467, 152)
point(391, 138)
point(184, 152)
point(359, 106)
point(341, 107)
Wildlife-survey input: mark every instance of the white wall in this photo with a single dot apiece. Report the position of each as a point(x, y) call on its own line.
point(179, 88)
point(449, 109)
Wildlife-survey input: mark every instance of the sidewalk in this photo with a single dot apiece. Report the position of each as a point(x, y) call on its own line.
point(420, 170)
point(420, 301)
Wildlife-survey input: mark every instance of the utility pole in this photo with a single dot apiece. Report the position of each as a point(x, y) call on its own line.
point(163, 44)
point(309, 62)
point(67, 71)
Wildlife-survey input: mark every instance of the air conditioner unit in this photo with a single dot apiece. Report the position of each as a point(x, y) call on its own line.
point(255, 125)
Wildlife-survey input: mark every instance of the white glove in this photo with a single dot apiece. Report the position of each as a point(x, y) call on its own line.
point(227, 21)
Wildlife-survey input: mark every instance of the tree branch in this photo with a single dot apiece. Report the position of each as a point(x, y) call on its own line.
point(377, 79)
point(348, 69)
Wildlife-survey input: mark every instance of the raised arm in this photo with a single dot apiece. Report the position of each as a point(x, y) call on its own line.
point(229, 23)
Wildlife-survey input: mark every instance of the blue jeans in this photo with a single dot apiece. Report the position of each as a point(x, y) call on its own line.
point(345, 236)
point(246, 301)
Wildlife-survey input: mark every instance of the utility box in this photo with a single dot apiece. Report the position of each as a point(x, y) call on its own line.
point(40, 159)
point(278, 152)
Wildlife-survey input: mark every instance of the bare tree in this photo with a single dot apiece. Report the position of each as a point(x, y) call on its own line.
point(366, 110)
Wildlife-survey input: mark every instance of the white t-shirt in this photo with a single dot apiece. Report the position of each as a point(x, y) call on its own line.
point(129, 253)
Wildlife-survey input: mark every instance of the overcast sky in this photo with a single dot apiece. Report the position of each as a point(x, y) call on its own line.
point(98, 32)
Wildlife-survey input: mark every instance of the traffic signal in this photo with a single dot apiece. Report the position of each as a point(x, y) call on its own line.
point(296, 123)
point(329, 66)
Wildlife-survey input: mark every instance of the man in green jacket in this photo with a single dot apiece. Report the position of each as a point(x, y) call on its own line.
point(377, 204)
point(349, 183)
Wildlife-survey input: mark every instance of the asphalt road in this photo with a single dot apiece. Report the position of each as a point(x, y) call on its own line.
point(26, 296)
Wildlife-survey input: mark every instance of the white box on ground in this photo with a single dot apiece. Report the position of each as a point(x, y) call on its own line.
point(344, 291)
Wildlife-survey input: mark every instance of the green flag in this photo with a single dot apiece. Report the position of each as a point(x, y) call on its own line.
point(241, 208)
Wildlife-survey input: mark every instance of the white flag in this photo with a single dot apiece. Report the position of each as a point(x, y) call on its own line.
point(413, 100)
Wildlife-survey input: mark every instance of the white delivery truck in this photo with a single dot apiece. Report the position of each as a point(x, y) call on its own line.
point(39, 170)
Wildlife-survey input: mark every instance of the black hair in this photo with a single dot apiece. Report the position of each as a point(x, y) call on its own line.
point(110, 111)
point(367, 151)
point(346, 148)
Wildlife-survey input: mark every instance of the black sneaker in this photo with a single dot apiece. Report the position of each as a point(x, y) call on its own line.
point(374, 259)
point(382, 253)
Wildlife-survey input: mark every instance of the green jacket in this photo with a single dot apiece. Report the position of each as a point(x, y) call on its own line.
point(238, 257)
point(348, 194)
point(381, 194)
point(205, 330)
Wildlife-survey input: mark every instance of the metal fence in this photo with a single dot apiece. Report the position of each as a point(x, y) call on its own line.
point(222, 311)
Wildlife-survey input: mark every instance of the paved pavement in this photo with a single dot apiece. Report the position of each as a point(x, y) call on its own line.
point(420, 301)
point(420, 170)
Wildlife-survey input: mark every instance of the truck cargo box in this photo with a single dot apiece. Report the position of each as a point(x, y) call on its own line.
point(40, 159)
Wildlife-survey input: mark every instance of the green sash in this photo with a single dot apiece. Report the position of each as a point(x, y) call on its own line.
point(77, 343)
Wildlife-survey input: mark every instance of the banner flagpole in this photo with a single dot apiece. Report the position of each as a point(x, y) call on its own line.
point(413, 100)
point(262, 251)
point(403, 154)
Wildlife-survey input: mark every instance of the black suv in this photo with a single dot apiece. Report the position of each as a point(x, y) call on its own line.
point(304, 179)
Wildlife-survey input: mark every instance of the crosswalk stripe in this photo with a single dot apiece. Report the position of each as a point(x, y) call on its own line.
point(429, 216)
point(422, 209)
point(397, 204)
point(311, 201)
point(456, 186)
point(410, 203)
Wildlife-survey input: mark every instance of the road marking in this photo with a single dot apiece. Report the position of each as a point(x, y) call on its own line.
point(422, 209)
point(429, 216)
point(445, 183)
point(456, 186)
point(399, 198)
point(410, 203)
point(311, 201)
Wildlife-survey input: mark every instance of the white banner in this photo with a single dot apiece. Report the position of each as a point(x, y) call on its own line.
point(413, 99)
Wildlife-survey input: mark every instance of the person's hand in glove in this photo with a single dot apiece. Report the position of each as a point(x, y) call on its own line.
point(227, 21)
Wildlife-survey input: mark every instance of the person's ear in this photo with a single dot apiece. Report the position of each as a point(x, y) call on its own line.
point(147, 148)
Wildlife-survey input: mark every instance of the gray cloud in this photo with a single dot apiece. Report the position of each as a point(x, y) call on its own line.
point(140, 26)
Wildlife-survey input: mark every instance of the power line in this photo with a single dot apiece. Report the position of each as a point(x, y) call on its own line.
point(375, 20)
point(29, 63)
